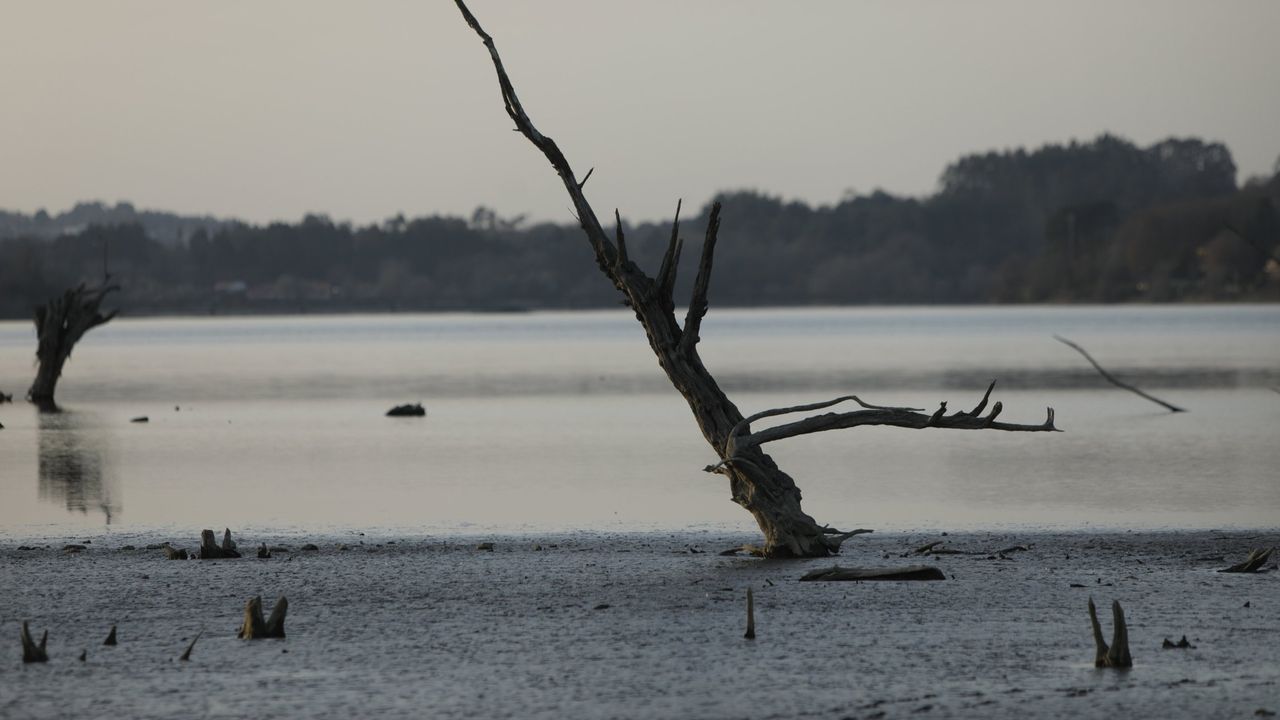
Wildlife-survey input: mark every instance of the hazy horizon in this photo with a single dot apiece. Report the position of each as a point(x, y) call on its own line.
point(270, 112)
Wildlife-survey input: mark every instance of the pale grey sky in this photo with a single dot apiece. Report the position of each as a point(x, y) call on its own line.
point(268, 109)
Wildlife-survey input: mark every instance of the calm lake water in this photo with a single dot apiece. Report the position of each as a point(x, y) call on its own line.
point(564, 420)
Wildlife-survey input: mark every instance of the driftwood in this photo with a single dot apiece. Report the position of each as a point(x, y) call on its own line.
point(111, 637)
point(751, 616)
point(263, 551)
point(837, 573)
point(60, 323)
point(755, 482)
point(186, 654)
point(32, 651)
point(255, 628)
point(209, 550)
point(1117, 654)
point(175, 553)
point(414, 410)
point(1182, 644)
point(1253, 563)
point(1112, 379)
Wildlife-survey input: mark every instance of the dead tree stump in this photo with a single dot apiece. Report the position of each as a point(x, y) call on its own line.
point(1117, 654)
point(210, 550)
point(60, 323)
point(255, 628)
point(31, 651)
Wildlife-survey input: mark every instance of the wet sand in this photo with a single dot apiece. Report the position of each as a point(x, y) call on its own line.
point(638, 626)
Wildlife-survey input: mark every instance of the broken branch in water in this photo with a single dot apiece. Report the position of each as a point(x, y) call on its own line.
point(111, 637)
point(1111, 379)
point(751, 616)
point(1253, 563)
point(1117, 654)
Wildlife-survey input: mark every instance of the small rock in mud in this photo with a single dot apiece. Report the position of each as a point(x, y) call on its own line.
point(310, 547)
point(127, 548)
point(601, 606)
point(487, 546)
point(73, 548)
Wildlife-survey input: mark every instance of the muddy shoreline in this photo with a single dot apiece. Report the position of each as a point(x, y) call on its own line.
point(640, 625)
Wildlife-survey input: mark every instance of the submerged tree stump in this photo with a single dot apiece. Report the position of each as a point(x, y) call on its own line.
point(60, 323)
point(1117, 654)
point(31, 651)
point(209, 550)
point(255, 628)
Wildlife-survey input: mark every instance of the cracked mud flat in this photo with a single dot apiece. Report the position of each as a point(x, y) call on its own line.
point(429, 626)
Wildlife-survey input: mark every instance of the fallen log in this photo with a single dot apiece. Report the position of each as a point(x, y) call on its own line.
point(837, 573)
point(209, 550)
point(31, 651)
point(1253, 563)
point(173, 553)
point(255, 628)
point(1117, 654)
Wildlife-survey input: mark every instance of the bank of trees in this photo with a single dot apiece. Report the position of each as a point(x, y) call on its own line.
point(1102, 221)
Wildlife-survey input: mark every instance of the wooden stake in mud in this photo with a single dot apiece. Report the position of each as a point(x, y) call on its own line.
point(255, 628)
point(111, 637)
point(751, 616)
point(32, 652)
point(1117, 655)
point(186, 654)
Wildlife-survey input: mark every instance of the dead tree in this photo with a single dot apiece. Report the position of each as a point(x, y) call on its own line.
point(60, 323)
point(755, 481)
point(1252, 564)
point(255, 628)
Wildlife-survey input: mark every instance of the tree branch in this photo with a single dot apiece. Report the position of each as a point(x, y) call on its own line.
point(698, 303)
point(874, 415)
point(621, 258)
point(1111, 379)
point(670, 260)
point(604, 250)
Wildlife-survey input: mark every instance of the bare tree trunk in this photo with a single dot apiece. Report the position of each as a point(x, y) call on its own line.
point(60, 323)
point(755, 481)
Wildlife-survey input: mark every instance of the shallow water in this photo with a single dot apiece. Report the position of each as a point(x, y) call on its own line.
point(563, 420)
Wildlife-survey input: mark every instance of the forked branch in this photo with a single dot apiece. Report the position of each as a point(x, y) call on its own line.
point(742, 437)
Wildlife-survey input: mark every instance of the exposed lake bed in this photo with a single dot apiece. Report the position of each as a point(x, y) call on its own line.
point(641, 625)
point(555, 438)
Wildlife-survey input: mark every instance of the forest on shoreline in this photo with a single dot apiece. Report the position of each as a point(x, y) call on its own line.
point(1100, 221)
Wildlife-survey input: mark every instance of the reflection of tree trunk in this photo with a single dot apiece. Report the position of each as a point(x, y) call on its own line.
point(72, 466)
point(755, 482)
point(60, 323)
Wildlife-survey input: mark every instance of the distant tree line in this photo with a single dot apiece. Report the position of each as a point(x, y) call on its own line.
point(1103, 221)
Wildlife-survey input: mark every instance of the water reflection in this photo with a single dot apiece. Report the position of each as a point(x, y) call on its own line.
point(74, 465)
